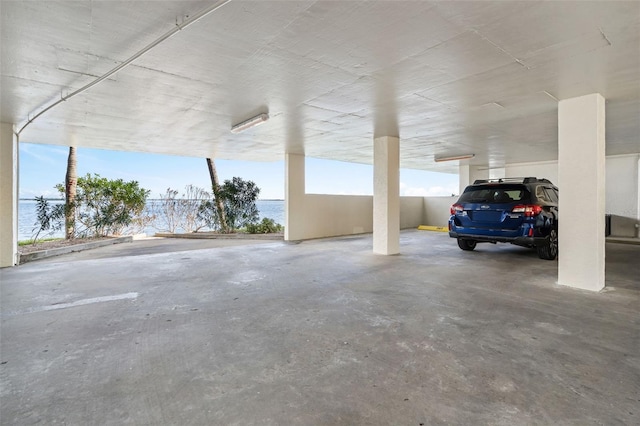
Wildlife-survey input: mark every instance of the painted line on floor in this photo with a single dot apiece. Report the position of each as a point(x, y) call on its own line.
point(433, 228)
point(82, 302)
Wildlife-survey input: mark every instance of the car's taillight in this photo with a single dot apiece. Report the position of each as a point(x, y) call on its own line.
point(529, 210)
point(456, 208)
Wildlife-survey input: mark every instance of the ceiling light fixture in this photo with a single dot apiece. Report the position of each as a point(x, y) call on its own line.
point(454, 157)
point(252, 122)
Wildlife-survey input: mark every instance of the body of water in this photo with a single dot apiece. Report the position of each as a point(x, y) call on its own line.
point(27, 217)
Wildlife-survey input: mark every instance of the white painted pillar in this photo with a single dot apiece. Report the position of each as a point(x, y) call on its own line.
point(497, 173)
point(476, 173)
point(386, 195)
point(468, 174)
point(581, 180)
point(464, 177)
point(294, 197)
point(8, 196)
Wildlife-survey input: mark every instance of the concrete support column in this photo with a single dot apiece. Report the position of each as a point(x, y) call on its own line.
point(581, 179)
point(477, 173)
point(467, 174)
point(464, 177)
point(8, 196)
point(294, 197)
point(497, 173)
point(386, 195)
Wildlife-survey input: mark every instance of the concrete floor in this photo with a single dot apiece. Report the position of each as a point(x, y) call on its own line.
point(317, 333)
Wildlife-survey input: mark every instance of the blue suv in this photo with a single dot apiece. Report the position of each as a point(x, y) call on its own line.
point(521, 211)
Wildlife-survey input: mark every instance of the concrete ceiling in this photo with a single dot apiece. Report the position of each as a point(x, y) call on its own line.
point(447, 77)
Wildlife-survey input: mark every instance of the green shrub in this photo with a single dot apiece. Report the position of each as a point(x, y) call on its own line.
point(208, 213)
point(239, 198)
point(267, 226)
point(106, 207)
point(50, 218)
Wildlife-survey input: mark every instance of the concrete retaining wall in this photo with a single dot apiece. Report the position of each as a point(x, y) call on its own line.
point(412, 212)
point(437, 210)
point(328, 215)
point(331, 215)
point(42, 254)
point(622, 226)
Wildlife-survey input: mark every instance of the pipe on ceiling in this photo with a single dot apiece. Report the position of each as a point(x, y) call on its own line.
point(147, 48)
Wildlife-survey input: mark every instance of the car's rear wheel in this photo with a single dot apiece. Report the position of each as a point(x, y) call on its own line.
point(549, 249)
point(466, 245)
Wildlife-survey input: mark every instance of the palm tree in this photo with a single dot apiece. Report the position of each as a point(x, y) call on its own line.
point(70, 182)
point(216, 193)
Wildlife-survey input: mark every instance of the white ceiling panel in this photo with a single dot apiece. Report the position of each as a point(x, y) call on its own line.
point(447, 77)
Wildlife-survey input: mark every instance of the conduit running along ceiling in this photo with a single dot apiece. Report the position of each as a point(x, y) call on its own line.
point(449, 78)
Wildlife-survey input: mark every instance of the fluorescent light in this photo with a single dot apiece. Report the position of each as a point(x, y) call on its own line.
point(254, 121)
point(454, 157)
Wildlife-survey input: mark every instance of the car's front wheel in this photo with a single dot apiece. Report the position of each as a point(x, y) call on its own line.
point(549, 249)
point(466, 245)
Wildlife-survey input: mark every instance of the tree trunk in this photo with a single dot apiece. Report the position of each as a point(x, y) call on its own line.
point(216, 193)
point(70, 181)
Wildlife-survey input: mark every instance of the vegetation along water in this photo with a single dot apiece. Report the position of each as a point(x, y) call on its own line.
point(273, 209)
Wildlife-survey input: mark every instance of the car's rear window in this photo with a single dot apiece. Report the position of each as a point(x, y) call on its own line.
point(494, 194)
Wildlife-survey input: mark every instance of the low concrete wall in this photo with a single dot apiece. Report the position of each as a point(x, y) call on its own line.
point(624, 226)
point(332, 215)
point(327, 215)
point(437, 210)
point(412, 212)
point(43, 254)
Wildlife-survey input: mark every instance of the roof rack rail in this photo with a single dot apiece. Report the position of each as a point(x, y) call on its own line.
point(529, 179)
